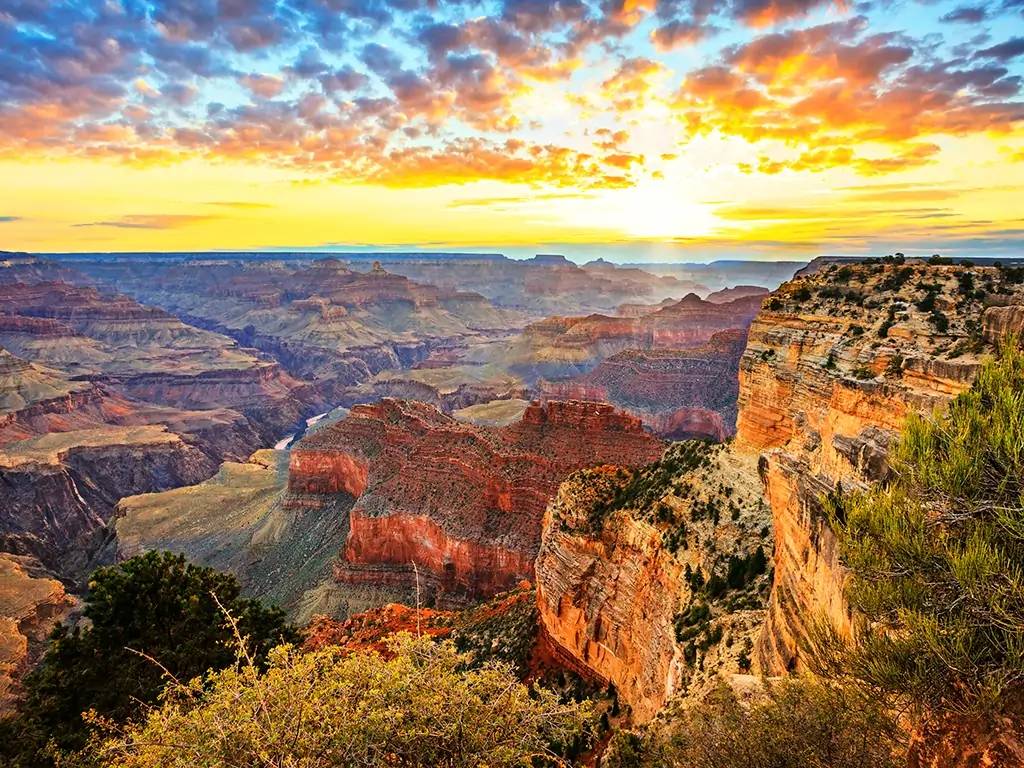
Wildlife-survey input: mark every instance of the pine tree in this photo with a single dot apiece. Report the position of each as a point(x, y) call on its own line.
point(937, 555)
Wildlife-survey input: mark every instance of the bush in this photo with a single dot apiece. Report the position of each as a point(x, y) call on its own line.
point(421, 707)
point(939, 321)
point(937, 557)
point(798, 723)
point(152, 608)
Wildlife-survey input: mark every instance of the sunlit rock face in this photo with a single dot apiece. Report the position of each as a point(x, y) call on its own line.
point(835, 362)
point(461, 503)
point(616, 573)
point(30, 604)
point(827, 378)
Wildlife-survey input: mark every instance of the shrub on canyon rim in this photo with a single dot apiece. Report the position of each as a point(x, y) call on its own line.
point(795, 723)
point(150, 617)
point(420, 707)
point(937, 555)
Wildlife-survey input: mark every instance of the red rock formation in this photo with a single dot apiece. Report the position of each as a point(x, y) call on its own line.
point(30, 605)
point(613, 582)
point(462, 502)
point(312, 471)
point(677, 393)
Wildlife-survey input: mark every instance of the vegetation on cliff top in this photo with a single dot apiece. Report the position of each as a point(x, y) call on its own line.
point(418, 707)
point(937, 555)
point(150, 617)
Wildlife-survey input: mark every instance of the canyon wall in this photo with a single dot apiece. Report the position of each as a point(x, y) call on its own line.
point(834, 363)
point(655, 580)
point(677, 393)
point(563, 347)
point(30, 604)
point(457, 506)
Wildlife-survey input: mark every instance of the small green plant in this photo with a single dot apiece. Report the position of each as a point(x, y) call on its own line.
point(939, 321)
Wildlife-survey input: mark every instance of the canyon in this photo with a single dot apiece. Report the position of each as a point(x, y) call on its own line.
point(673, 365)
point(397, 502)
point(835, 361)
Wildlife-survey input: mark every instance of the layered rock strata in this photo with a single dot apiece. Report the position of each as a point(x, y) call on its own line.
point(655, 580)
point(679, 394)
point(563, 347)
point(30, 604)
point(456, 506)
point(835, 362)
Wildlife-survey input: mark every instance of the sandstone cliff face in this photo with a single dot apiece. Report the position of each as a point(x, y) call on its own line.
point(30, 605)
point(834, 363)
point(463, 503)
point(561, 347)
point(678, 393)
point(642, 577)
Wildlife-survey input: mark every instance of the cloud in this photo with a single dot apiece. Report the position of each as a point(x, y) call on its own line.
point(263, 86)
point(1011, 49)
point(676, 34)
point(9, 219)
point(148, 221)
point(345, 88)
point(966, 14)
point(829, 90)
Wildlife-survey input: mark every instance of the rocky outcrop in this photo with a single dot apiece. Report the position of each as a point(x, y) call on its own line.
point(461, 503)
point(562, 347)
point(70, 449)
point(678, 393)
point(30, 605)
point(641, 575)
point(835, 362)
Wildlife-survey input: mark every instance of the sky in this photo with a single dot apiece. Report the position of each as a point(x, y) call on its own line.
point(637, 130)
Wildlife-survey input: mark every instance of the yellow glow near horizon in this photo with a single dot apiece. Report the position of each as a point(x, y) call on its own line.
point(83, 205)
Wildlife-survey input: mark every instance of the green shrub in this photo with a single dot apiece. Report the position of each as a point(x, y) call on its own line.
point(420, 707)
point(798, 723)
point(937, 556)
point(149, 617)
point(939, 321)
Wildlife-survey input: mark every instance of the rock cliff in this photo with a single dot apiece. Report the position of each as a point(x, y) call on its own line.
point(460, 503)
point(655, 580)
point(834, 363)
point(30, 604)
point(323, 322)
point(563, 347)
point(678, 393)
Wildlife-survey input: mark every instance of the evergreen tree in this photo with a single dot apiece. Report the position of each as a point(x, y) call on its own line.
point(150, 617)
point(937, 555)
